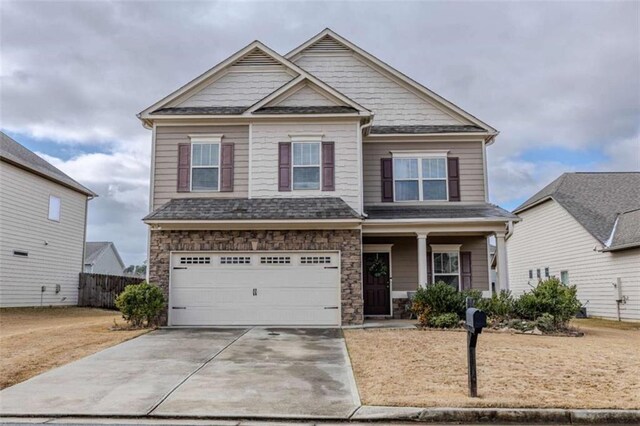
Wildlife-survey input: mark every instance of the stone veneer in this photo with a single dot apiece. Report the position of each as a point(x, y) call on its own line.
point(347, 241)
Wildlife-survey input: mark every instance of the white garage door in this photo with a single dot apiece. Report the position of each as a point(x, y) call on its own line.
point(255, 288)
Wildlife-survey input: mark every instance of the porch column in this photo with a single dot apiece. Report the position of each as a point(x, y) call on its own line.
point(501, 262)
point(422, 259)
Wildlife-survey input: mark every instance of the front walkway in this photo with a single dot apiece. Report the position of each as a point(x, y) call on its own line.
point(243, 373)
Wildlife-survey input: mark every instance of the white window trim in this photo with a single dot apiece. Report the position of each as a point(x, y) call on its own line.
point(51, 196)
point(210, 140)
point(300, 140)
point(446, 248)
point(419, 155)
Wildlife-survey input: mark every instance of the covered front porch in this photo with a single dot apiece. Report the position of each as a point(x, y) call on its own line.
point(402, 254)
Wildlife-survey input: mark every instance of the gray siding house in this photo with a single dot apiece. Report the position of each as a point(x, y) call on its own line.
point(102, 257)
point(318, 187)
point(43, 218)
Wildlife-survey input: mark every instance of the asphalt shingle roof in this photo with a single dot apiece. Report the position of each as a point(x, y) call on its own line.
point(455, 211)
point(627, 230)
point(306, 110)
point(388, 130)
point(13, 152)
point(211, 110)
point(595, 200)
point(253, 209)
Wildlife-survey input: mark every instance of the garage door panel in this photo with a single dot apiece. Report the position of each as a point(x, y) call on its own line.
point(247, 316)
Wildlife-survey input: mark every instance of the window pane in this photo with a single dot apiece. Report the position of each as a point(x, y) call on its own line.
point(445, 263)
point(564, 277)
point(434, 189)
point(54, 208)
point(452, 280)
point(306, 178)
point(433, 168)
point(406, 190)
point(197, 156)
point(405, 168)
point(204, 179)
point(306, 154)
point(205, 154)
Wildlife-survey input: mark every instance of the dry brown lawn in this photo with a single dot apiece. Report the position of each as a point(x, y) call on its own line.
point(34, 340)
point(428, 368)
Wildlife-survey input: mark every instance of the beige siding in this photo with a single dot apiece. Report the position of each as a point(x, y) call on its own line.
point(55, 248)
point(264, 145)
point(238, 89)
point(392, 103)
point(306, 97)
point(549, 236)
point(404, 258)
point(166, 161)
point(470, 163)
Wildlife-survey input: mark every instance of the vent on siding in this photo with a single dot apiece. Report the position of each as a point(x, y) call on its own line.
point(195, 260)
point(235, 260)
point(326, 44)
point(315, 260)
point(255, 58)
point(21, 253)
point(275, 260)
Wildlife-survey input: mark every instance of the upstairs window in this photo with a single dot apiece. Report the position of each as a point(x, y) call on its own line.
point(306, 165)
point(205, 166)
point(54, 208)
point(420, 179)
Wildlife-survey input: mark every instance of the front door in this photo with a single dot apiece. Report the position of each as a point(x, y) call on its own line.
point(377, 278)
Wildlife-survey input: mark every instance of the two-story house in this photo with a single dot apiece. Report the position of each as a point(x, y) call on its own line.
point(314, 188)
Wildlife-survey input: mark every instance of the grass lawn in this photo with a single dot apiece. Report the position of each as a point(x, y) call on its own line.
point(429, 368)
point(34, 340)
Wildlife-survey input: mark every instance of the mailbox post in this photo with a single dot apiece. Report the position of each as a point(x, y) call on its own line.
point(476, 320)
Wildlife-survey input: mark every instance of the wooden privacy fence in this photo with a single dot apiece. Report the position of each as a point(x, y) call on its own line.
point(100, 291)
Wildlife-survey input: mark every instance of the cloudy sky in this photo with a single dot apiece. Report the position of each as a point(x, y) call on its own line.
point(561, 80)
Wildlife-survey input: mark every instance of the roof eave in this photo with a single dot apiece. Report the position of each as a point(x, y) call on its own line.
point(622, 247)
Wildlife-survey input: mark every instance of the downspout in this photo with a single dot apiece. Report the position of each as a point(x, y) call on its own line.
point(363, 127)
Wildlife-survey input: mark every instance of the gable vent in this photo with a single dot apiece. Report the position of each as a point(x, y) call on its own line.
point(326, 44)
point(255, 58)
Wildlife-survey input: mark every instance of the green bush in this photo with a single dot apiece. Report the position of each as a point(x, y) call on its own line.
point(439, 299)
point(546, 323)
point(549, 297)
point(449, 320)
point(141, 304)
point(499, 307)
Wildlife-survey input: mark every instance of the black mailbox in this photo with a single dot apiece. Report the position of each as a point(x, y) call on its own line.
point(476, 320)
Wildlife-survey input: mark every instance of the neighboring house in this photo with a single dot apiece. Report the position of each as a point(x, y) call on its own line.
point(314, 188)
point(584, 229)
point(43, 218)
point(102, 257)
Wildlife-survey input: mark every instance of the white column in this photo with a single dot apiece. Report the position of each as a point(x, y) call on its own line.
point(422, 260)
point(501, 262)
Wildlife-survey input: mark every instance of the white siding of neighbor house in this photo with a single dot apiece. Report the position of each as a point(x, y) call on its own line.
point(392, 103)
point(238, 89)
point(306, 97)
point(24, 225)
point(107, 263)
point(264, 153)
point(549, 236)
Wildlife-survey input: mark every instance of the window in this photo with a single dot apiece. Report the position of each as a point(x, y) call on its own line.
point(205, 166)
point(538, 274)
point(546, 272)
point(193, 260)
point(314, 260)
point(54, 208)
point(235, 260)
point(530, 274)
point(564, 277)
point(420, 179)
point(446, 267)
point(275, 260)
point(306, 165)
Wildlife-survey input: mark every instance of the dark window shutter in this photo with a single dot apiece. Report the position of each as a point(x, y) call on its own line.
point(284, 166)
point(386, 174)
point(184, 166)
point(429, 268)
point(226, 167)
point(454, 178)
point(465, 270)
point(328, 166)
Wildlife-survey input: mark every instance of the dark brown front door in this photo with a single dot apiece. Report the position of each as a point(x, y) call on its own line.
point(377, 291)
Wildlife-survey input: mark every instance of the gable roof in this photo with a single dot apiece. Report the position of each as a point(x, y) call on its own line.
point(94, 249)
point(328, 40)
point(597, 201)
point(16, 154)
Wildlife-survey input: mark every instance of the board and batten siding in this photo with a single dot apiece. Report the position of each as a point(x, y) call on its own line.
point(470, 164)
point(548, 236)
point(238, 88)
point(55, 248)
point(392, 103)
point(165, 179)
point(404, 258)
point(264, 145)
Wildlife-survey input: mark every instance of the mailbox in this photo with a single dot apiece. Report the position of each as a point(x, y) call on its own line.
point(476, 320)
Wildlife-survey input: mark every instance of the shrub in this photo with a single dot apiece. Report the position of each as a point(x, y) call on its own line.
point(549, 297)
point(499, 307)
point(449, 320)
point(141, 304)
point(438, 299)
point(546, 323)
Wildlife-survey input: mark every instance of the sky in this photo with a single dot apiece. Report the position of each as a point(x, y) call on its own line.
point(559, 80)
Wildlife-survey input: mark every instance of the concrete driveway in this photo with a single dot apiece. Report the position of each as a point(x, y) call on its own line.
point(253, 372)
